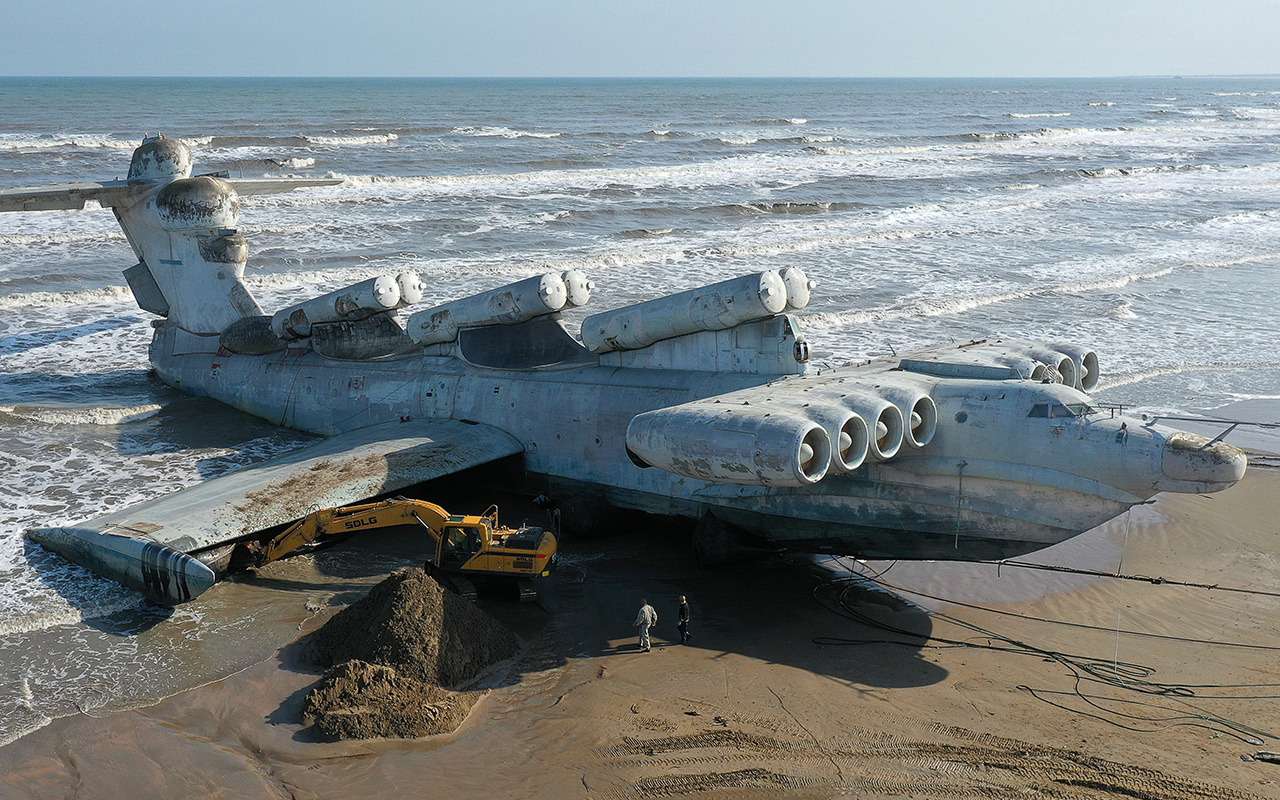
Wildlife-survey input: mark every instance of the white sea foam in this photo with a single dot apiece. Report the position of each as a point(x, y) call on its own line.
point(504, 132)
point(84, 141)
point(1034, 115)
point(82, 415)
point(337, 140)
point(106, 295)
point(951, 305)
point(1137, 376)
point(297, 163)
point(1101, 103)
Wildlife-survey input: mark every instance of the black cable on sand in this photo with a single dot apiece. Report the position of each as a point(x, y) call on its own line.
point(835, 596)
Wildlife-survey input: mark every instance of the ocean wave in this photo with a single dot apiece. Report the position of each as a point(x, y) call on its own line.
point(351, 141)
point(296, 163)
point(1128, 378)
point(938, 307)
point(503, 132)
point(50, 238)
point(1152, 169)
point(1122, 310)
point(779, 121)
point(1101, 103)
point(83, 141)
point(1034, 115)
point(105, 294)
point(1037, 133)
point(646, 233)
point(80, 415)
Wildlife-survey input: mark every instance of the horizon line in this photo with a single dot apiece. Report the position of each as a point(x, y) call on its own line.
point(1167, 76)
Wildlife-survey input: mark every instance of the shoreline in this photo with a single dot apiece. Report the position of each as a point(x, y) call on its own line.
point(753, 706)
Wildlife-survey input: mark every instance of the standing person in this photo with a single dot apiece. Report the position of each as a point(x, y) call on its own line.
point(645, 620)
point(684, 620)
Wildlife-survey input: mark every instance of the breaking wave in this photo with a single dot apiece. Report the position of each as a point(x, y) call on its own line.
point(1129, 378)
point(504, 132)
point(84, 141)
point(80, 415)
point(1101, 103)
point(1037, 133)
point(779, 121)
point(939, 307)
point(1017, 115)
point(351, 141)
point(105, 294)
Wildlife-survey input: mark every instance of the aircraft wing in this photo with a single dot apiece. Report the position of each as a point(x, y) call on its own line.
point(67, 196)
point(247, 186)
point(145, 546)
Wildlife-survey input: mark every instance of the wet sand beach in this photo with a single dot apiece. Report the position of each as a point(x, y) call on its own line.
point(771, 697)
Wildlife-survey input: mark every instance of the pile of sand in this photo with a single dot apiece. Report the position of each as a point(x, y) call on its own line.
point(359, 700)
point(393, 655)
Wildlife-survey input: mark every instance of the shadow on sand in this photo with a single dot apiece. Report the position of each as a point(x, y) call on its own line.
point(763, 610)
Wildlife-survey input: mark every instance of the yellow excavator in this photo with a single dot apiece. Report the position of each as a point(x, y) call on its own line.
point(461, 547)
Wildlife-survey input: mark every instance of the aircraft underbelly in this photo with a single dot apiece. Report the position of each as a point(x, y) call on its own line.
point(888, 512)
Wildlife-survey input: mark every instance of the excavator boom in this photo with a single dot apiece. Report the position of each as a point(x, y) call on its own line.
point(459, 545)
point(349, 519)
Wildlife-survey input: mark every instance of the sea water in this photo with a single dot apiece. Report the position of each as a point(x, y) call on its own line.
point(1138, 216)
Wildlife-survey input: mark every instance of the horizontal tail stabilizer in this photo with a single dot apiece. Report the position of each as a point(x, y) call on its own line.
point(66, 196)
point(248, 186)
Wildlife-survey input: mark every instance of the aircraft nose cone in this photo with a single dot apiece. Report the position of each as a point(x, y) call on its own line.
point(1191, 458)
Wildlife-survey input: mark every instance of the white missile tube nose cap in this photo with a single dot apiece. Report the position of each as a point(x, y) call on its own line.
point(799, 288)
point(772, 292)
point(552, 291)
point(578, 286)
point(411, 288)
point(386, 292)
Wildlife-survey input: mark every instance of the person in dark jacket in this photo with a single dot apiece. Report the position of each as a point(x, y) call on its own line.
point(684, 620)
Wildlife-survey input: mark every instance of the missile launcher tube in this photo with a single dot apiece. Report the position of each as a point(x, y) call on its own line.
point(516, 302)
point(709, 308)
point(353, 302)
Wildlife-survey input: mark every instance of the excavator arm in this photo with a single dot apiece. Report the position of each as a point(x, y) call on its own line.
point(392, 513)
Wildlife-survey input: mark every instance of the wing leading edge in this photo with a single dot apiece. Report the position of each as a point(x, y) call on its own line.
point(147, 546)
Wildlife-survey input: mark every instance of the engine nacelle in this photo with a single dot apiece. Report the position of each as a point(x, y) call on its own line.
point(710, 308)
point(847, 432)
point(919, 412)
point(507, 305)
point(722, 443)
point(1085, 362)
point(882, 419)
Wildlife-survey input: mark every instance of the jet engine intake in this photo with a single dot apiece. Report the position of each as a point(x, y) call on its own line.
point(919, 413)
point(1085, 362)
point(883, 421)
point(847, 432)
point(723, 443)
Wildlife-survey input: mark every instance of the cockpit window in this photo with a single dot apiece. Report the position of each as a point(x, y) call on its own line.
point(1056, 410)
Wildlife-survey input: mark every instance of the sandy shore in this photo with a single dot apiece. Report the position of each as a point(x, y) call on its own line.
point(754, 707)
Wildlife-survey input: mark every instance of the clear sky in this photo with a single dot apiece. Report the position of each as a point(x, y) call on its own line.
point(630, 37)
